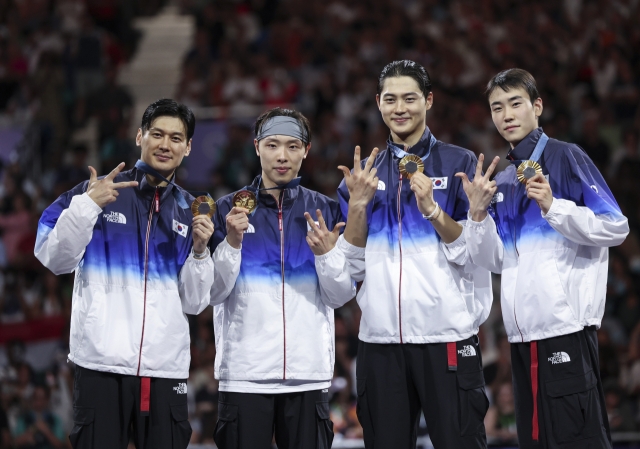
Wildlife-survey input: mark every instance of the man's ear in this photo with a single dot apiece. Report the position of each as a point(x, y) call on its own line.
point(307, 150)
point(139, 137)
point(429, 100)
point(255, 144)
point(378, 100)
point(537, 107)
point(188, 147)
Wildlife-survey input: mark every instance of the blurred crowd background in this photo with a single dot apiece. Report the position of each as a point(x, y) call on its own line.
point(59, 71)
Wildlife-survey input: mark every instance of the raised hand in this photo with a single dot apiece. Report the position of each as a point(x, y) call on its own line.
point(320, 239)
point(104, 191)
point(479, 192)
point(237, 223)
point(202, 231)
point(538, 189)
point(422, 186)
point(363, 182)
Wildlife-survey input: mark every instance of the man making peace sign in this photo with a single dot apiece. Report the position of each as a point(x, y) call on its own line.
point(141, 262)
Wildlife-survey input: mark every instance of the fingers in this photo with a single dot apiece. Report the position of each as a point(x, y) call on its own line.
point(312, 224)
point(371, 160)
point(492, 167)
point(236, 210)
point(123, 185)
point(115, 171)
point(538, 178)
point(94, 176)
point(463, 176)
point(356, 160)
point(479, 165)
point(321, 222)
point(345, 171)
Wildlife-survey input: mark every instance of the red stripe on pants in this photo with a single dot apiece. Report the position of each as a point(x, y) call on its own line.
point(145, 394)
point(452, 357)
point(534, 388)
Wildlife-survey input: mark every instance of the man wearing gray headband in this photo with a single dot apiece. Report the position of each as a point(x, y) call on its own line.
point(279, 279)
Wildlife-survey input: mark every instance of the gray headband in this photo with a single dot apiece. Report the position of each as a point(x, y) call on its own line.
point(283, 126)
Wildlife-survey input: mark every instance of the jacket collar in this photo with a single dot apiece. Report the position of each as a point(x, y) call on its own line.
point(420, 149)
point(266, 199)
point(147, 190)
point(523, 150)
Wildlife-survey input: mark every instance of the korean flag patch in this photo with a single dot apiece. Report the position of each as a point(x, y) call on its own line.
point(439, 183)
point(180, 228)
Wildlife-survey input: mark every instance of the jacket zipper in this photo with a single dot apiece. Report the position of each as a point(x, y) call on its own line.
point(284, 323)
point(400, 245)
point(155, 205)
point(515, 246)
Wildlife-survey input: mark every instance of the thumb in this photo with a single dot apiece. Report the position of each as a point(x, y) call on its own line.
point(345, 171)
point(94, 176)
point(463, 176)
point(337, 227)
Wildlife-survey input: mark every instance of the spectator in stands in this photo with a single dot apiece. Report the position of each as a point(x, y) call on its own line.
point(500, 421)
point(38, 427)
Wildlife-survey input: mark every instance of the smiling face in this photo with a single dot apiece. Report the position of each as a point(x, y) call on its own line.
point(404, 108)
point(281, 158)
point(513, 113)
point(164, 144)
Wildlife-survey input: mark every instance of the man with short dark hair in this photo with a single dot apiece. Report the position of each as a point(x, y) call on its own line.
point(279, 276)
point(141, 263)
point(546, 223)
point(422, 300)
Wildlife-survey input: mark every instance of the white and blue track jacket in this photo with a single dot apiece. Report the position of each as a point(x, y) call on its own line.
point(415, 288)
point(135, 277)
point(554, 266)
point(273, 298)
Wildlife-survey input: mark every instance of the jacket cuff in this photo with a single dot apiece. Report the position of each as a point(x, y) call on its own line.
point(350, 251)
point(87, 203)
point(225, 246)
point(477, 224)
point(327, 255)
point(459, 242)
point(554, 210)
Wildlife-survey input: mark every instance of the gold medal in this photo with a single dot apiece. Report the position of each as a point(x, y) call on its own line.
point(527, 170)
point(246, 199)
point(410, 164)
point(203, 205)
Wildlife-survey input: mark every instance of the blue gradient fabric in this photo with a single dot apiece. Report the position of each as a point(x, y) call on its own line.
point(553, 266)
point(273, 309)
point(123, 321)
point(413, 291)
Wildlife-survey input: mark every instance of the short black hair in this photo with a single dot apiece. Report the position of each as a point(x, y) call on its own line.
point(514, 79)
point(171, 108)
point(406, 68)
point(277, 112)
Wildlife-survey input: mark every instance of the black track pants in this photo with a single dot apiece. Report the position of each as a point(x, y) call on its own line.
point(298, 420)
point(569, 410)
point(396, 381)
point(106, 410)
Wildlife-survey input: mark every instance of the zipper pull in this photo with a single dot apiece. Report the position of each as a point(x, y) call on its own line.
point(157, 200)
point(280, 219)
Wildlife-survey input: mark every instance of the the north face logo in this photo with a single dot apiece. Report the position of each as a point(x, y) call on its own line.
point(559, 357)
point(497, 198)
point(467, 351)
point(115, 217)
point(381, 185)
point(181, 388)
point(250, 229)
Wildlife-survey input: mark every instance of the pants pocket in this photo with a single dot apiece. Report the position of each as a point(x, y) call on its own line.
point(180, 427)
point(363, 413)
point(472, 403)
point(324, 434)
point(575, 409)
point(81, 436)
point(226, 433)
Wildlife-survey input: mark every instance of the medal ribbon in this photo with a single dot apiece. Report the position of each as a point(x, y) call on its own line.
point(397, 152)
point(149, 170)
point(537, 151)
point(295, 182)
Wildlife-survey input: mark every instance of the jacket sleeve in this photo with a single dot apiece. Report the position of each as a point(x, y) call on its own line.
point(485, 246)
point(65, 229)
point(194, 283)
point(456, 251)
point(336, 286)
point(353, 254)
point(226, 259)
point(591, 216)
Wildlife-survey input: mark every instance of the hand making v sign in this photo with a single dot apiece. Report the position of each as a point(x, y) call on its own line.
point(479, 192)
point(104, 191)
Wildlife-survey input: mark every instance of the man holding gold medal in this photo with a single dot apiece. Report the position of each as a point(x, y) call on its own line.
point(546, 223)
point(141, 263)
point(422, 300)
point(279, 275)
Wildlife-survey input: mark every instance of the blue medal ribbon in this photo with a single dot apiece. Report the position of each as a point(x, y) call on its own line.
point(401, 153)
point(537, 151)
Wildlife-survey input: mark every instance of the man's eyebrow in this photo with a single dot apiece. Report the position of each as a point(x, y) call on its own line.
point(515, 97)
point(155, 128)
point(402, 95)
